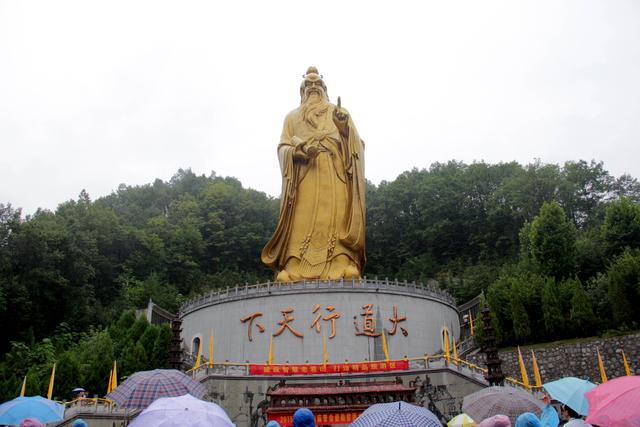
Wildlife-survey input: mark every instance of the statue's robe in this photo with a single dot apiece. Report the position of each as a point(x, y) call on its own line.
point(322, 206)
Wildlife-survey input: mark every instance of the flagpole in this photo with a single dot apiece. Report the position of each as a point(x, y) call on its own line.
point(211, 350)
point(523, 370)
point(114, 376)
point(324, 352)
point(447, 354)
point(626, 364)
point(603, 375)
point(385, 347)
point(51, 380)
point(110, 382)
point(455, 351)
point(536, 371)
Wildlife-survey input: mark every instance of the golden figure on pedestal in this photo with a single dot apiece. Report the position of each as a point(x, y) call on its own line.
point(321, 229)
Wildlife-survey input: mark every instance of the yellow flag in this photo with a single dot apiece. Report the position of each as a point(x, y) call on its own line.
point(199, 357)
point(324, 351)
point(455, 351)
point(24, 386)
point(51, 380)
point(536, 371)
point(471, 322)
point(110, 382)
point(270, 349)
point(114, 376)
point(603, 375)
point(626, 365)
point(447, 354)
point(384, 346)
point(523, 371)
point(211, 350)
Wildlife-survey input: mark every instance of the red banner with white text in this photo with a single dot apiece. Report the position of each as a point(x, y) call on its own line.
point(329, 368)
point(286, 420)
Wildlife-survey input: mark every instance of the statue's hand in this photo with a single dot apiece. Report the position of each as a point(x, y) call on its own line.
point(312, 151)
point(341, 119)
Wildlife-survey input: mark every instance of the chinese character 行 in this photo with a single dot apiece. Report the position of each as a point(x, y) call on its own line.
point(331, 316)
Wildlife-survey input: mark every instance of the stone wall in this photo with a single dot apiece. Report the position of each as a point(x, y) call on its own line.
point(577, 360)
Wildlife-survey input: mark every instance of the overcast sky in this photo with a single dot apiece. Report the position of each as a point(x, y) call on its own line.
point(94, 94)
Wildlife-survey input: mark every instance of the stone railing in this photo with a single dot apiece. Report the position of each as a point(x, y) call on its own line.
point(239, 292)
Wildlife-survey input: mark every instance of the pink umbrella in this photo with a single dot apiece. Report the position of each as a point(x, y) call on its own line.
point(615, 403)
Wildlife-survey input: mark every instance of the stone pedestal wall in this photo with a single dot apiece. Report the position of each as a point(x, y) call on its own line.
point(577, 360)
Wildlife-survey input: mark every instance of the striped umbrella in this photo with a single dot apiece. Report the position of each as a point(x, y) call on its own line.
point(396, 414)
point(497, 400)
point(142, 388)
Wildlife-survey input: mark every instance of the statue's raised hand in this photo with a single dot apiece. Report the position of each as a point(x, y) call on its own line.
point(341, 119)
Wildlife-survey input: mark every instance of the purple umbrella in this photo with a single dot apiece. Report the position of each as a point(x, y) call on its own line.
point(142, 388)
point(496, 400)
point(183, 411)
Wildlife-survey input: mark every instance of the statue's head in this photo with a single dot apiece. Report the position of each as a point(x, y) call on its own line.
point(312, 84)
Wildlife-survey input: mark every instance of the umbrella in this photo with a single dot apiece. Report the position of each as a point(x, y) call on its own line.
point(44, 410)
point(615, 403)
point(400, 414)
point(462, 420)
point(182, 411)
point(497, 400)
point(142, 388)
point(78, 390)
point(570, 391)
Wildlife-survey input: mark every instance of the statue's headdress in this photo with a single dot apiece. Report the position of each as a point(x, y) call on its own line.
point(312, 75)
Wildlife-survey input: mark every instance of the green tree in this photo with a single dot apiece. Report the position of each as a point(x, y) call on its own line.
point(621, 228)
point(552, 309)
point(550, 242)
point(624, 288)
point(582, 317)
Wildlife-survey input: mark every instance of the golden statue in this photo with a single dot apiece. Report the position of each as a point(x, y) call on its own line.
point(320, 232)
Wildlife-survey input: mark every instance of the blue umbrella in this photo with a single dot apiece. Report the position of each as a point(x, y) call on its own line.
point(570, 391)
point(44, 410)
point(396, 414)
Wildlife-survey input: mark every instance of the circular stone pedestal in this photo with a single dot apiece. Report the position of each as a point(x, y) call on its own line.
point(296, 319)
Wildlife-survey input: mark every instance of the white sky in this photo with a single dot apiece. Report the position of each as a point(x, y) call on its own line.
point(98, 93)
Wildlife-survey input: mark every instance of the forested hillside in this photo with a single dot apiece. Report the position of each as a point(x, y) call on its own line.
point(555, 248)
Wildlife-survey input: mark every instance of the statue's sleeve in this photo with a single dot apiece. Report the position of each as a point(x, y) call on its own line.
point(273, 252)
point(355, 221)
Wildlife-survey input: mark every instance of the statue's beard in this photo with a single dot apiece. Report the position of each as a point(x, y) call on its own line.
point(313, 106)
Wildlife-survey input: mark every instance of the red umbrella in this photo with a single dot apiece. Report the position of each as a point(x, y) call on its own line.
point(615, 403)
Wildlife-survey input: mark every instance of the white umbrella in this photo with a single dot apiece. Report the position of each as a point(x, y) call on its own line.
point(182, 411)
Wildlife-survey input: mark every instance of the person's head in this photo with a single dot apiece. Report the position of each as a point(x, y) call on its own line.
point(312, 87)
point(79, 423)
point(528, 419)
point(303, 417)
point(496, 421)
point(31, 422)
point(567, 412)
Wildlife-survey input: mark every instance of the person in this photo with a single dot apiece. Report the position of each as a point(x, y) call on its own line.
point(548, 418)
point(272, 423)
point(303, 417)
point(31, 422)
point(574, 418)
point(528, 419)
point(321, 229)
point(496, 421)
